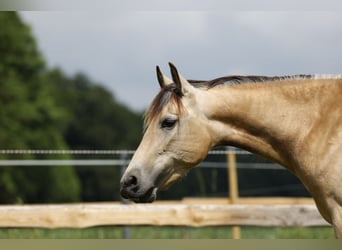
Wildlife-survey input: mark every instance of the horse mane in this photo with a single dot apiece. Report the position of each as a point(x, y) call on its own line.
point(239, 79)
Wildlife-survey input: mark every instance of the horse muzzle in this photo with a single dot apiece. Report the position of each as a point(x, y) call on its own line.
point(133, 189)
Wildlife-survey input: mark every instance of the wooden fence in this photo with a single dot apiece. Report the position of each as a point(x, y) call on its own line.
point(190, 212)
point(233, 211)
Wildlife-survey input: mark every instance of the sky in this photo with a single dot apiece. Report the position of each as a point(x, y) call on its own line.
point(120, 49)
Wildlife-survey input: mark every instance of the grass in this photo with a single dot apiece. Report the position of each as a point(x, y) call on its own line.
point(148, 232)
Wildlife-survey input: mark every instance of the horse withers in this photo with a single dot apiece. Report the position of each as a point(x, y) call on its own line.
point(295, 121)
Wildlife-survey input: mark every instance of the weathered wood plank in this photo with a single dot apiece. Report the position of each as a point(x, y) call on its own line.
point(87, 215)
point(250, 201)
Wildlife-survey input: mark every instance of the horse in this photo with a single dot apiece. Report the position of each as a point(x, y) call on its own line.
point(295, 121)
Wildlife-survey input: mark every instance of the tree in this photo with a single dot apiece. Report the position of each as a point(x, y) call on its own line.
point(29, 118)
point(44, 108)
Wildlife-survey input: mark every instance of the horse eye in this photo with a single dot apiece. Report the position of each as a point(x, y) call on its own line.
point(168, 123)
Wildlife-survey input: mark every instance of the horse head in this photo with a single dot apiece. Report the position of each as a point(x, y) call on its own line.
point(175, 140)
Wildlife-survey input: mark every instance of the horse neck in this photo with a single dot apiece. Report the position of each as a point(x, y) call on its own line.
point(267, 119)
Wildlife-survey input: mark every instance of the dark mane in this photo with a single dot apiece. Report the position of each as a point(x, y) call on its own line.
point(238, 79)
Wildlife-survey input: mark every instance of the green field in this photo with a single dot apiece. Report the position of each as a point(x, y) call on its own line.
point(148, 232)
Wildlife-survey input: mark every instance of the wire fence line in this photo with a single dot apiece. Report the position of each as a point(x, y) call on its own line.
point(63, 152)
point(98, 152)
point(123, 161)
point(82, 162)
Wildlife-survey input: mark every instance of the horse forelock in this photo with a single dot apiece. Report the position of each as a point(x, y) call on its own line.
point(168, 94)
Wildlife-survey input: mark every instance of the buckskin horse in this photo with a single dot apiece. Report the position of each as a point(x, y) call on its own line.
point(295, 121)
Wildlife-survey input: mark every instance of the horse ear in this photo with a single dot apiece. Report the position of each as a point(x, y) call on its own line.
point(181, 83)
point(162, 79)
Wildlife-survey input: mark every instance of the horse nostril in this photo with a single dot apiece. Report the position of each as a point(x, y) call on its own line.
point(131, 181)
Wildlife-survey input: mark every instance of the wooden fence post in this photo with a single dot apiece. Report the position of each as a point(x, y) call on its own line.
point(233, 187)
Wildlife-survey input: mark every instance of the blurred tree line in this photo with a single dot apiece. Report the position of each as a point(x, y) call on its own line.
point(43, 108)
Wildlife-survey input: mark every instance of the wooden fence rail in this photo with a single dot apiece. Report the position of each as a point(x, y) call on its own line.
point(87, 215)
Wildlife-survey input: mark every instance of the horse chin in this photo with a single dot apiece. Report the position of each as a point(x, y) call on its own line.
point(163, 183)
point(148, 197)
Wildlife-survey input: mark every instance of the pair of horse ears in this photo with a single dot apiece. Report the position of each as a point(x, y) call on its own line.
point(180, 82)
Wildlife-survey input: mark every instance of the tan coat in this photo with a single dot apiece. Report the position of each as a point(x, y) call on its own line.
point(296, 122)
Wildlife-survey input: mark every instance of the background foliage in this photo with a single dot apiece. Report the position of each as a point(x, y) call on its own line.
point(43, 108)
